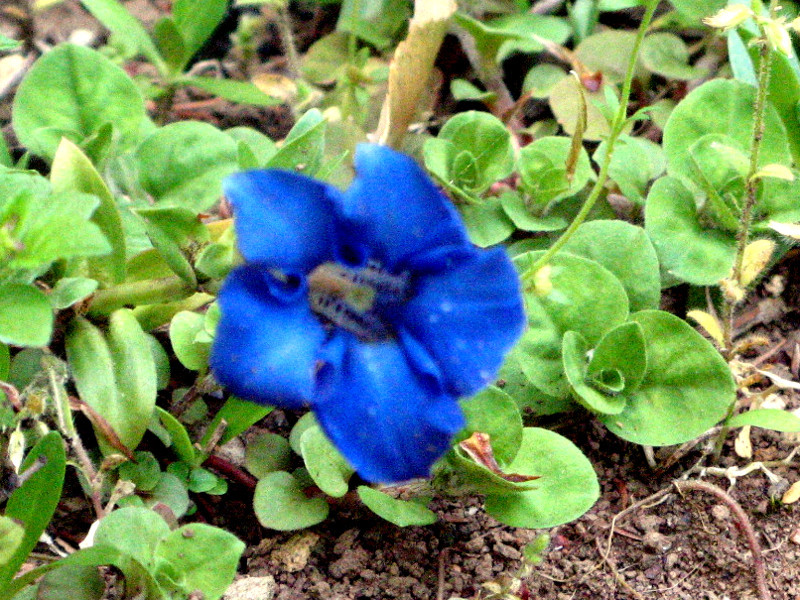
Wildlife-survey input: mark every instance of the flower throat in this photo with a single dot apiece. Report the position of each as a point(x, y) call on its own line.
point(357, 298)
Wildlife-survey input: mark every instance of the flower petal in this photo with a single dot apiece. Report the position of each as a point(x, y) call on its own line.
point(467, 312)
point(267, 339)
point(283, 219)
point(395, 210)
point(390, 422)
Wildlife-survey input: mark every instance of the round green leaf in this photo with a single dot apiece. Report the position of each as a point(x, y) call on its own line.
point(721, 106)
point(566, 489)
point(327, 467)
point(304, 423)
point(685, 248)
point(266, 453)
point(574, 294)
point(574, 355)
point(486, 222)
point(487, 140)
point(552, 153)
point(73, 92)
point(184, 163)
point(183, 331)
point(144, 471)
point(667, 55)
point(279, 503)
point(70, 290)
point(523, 217)
point(621, 350)
point(494, 413)
point(609, 52)
point(170, 491)
point(26, 316)
point(636, 161)
point(626, 251)
point(400, 512)
point(515, 383)
point(205, 558)
point(687, 389)
point(134, 531)
point(78, 582)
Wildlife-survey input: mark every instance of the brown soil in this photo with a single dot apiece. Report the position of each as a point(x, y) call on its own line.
point(675, 547)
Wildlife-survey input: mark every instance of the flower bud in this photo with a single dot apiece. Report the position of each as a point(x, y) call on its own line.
point(778, 37)
point(729, 17)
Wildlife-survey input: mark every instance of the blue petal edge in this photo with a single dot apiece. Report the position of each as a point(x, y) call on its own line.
point(267, 338)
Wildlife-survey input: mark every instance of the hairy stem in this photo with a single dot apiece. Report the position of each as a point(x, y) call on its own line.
point(149, 291)
point(616, 129)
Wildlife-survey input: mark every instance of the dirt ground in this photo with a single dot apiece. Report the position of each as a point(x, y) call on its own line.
point(691, 546)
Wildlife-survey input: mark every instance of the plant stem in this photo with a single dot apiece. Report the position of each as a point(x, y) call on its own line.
point(287, 40)
point(751, 189)
point(616, 129)
point(149, 291)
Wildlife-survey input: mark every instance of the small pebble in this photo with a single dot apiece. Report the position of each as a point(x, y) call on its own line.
point(656, 541)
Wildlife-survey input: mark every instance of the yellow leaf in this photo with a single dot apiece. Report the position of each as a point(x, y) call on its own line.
point(774, 170)
point(708, 322)
point(756, 257)
point(742, 445)
point(277, 86)
point(411, 68)
point(792, 494)
point(791, 230)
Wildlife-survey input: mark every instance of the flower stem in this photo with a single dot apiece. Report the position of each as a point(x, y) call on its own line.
point(751, 189)
point(616, 129)
point(149, 291)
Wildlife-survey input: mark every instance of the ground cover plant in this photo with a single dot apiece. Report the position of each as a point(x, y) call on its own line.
point(451, 260)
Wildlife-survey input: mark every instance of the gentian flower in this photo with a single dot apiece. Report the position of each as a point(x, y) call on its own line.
point(370, 306)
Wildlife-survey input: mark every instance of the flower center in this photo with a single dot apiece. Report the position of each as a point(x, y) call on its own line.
point(358, 299)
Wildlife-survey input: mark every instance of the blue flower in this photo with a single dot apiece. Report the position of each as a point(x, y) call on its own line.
point(370, 306)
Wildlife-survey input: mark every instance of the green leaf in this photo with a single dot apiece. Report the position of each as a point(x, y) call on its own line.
point(303, 149)
point(303, 424)
point(402, 513)
point(487, 223)
point(12, 535)
point(541, 79)
point(626, 251)
point(5, 362)
point(623, 350)
point(768, 418)
point(279, 503)
point(183, 332)
point(376, 22)
point(72, 92)
point(687, 387)
point(241, 92)
point(181, 442)
point(197, 20)
point(133, 531)
point(566, 489)
point(572, 294)
point(685, 248)
point(575, 360)
point(73, 172)
point(494, 413)
point(170, 491)
point(114, 16)
point(634, 164)
point(6, 43)
point(26, 316)
point(567, 99)
point(666, 54)
point(175, 232)
point(34, 502)
point(524, 217)
point(267, 453)
point(482, 139)
point(543, 169)
point(70, 290)
point(720, 107)
point(170, 44)
point(692, 12)
point(116, 377)
point(327, 467)
point(261, 147)
point(609, 52)
point(204, 557)
point(144, 471)
point(161, 361)
point(239, 415)
point(184, 163)
point(76, 582)
point(134, 373)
